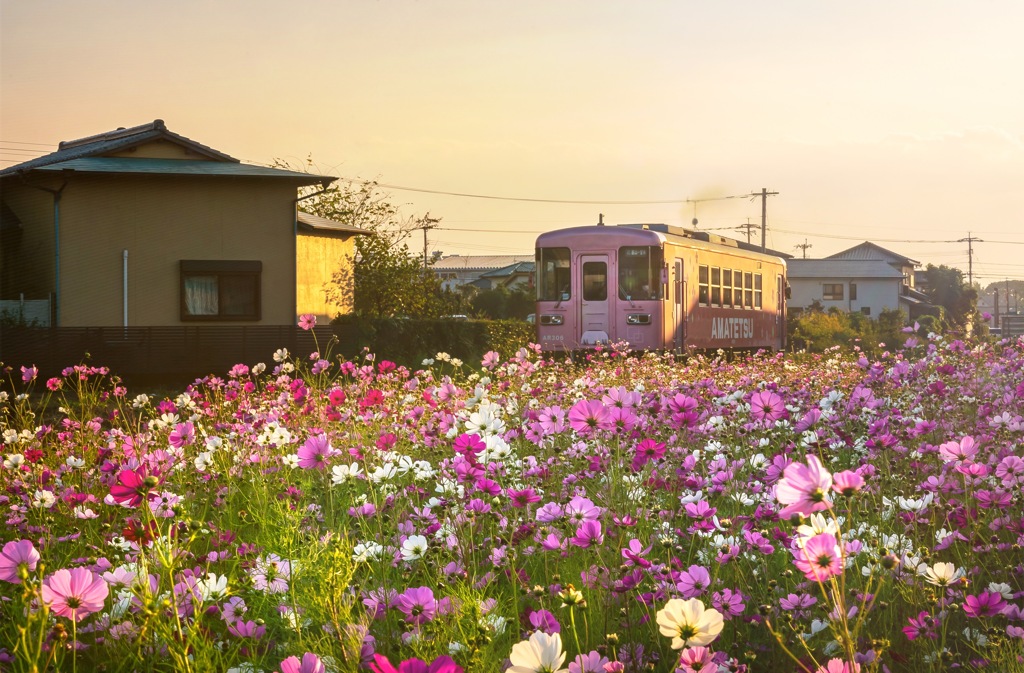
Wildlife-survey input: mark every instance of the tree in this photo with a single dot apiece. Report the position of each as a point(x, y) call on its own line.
point(946, 288)
point(385, 278)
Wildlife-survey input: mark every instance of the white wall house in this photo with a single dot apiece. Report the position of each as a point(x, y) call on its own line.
point(867, 287)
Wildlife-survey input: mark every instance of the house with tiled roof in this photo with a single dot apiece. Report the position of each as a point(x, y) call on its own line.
point(866, 279)
point(484, 271)
point(143, 226)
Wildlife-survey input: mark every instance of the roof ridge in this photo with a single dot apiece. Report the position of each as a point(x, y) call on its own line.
point(120, 132)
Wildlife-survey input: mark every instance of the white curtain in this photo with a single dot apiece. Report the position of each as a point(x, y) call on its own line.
point(201, 295)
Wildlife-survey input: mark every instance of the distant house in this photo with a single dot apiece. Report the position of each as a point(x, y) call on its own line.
point(866, 279)
point(484, 271)
point(144, 227)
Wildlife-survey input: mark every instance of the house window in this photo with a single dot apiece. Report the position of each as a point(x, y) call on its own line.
point(832, 291)
point(220, 289)
point(853, 290)
point(866, 310)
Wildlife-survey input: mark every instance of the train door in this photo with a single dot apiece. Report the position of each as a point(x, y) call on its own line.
point(593, 299)
point(780, 312)
point(678, 305)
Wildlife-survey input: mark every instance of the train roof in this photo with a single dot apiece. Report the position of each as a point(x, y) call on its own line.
point(663, 232)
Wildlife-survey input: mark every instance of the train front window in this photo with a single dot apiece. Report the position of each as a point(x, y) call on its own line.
point(553, 274)
point(640, 273)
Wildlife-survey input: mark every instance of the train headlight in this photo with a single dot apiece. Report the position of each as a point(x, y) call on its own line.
point(638, 319)
point(552, 319)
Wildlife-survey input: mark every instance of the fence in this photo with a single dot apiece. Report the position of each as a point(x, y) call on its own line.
point(1012, 325)
point(170, 353)
point(34, 312)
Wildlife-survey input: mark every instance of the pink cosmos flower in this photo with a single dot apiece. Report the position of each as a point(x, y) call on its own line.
point(923, 625)
point(589, 416)
point(838, 666)
point(820, 558)
point(803, 488)
point(646, 451)
point(767, 406)
point(307, 321)
point(249, 629)
point(697, 660)
point(75, 593)
point(847, 482)
point(588, 533)
point(592, 662)
point(29, 374)
point(16, 555)
point(491, 360)
point(443, 664)
point(965, 449)
point(542, 620)
point(310, 664)
point(315, 452)
point(418, 604)
point(183, 434)
point(693, 581)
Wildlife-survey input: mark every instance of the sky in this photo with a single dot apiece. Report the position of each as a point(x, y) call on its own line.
point(899, 123)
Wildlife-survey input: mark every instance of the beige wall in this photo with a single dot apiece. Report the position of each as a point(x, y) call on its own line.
point(320, 256)
point(160, 149)
point(160, 220)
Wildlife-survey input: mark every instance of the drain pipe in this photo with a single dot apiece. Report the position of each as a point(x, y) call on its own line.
point(124, 277)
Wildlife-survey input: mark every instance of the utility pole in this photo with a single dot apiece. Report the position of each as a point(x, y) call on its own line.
point(427, 222)
point(970, 240)
point(764, 213)
point(748, 227)
point(803, 246)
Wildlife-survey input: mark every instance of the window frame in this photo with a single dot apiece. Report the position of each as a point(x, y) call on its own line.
point(222, 268)
point(832, 292)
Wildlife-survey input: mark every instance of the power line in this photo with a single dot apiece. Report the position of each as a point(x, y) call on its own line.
point(536, 200)
point(22, 142)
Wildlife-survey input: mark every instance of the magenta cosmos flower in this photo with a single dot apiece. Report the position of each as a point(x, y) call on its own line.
point(803, 488)
point(132, 486)
point(310, 664)
point(75, 593)
point(315, 452)
point(443, 664)
point(16, 555)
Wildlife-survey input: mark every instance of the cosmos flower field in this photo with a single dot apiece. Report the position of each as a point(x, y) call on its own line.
point(626, 512)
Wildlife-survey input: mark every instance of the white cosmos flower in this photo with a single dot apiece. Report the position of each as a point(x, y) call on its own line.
point(342, 473)
point(486, 421)
point(542, 653)
point(385, 472)
point(689, 623)
point(280, 355)
point(364, 551)
point(75, 463)
point(414, 547)
point(290, 460)
point(83, 512)
point(212, 587)
point(203, 461)
point(915, 505)
point(44, 499)
point(940, 574)
point(14, 460)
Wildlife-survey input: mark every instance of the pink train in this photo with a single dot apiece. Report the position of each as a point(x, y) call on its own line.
point(655, 286)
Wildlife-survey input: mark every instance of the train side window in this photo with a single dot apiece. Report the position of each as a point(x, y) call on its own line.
point(748, 290)
point(716, 286)
point(703, 287)
point(757, 290)
point(727, 287)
